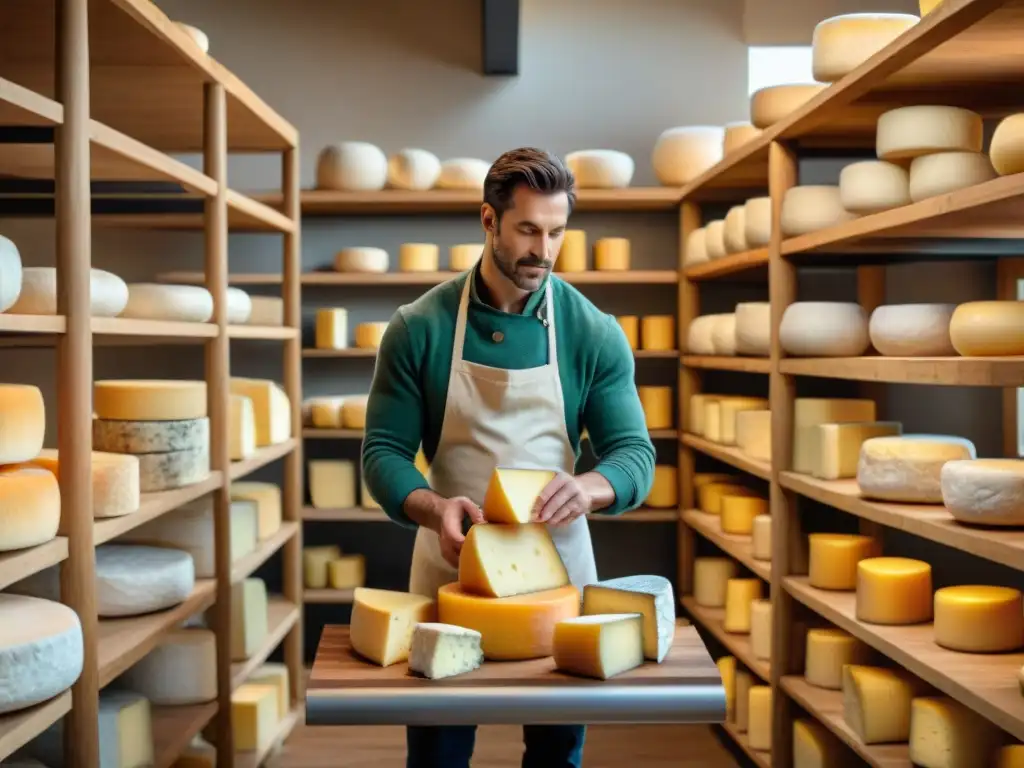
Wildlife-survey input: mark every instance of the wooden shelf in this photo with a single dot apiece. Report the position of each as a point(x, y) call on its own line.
point(730, 455)
point(264, 332)
point(728, 266)
point(759, 758)
point(153, 505)
point(371, 352)
point(255, 759)
point(19, 728)
point(330, 278)
point(328, 596)
point(281, 617)
point(174, 728)
point(738, 645)
point(987, 683)
point(46, 324)
point(737, 547)
point(20, 106)
point(316, 433)
point(261, 458)
point(265, 549)
point(949, 371)
point(120, 326)
point(741, 364)
point(22, 563)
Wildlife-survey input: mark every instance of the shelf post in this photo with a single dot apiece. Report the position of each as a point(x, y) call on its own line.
point(871, 295)
point(689, 384)
point(1009, 272)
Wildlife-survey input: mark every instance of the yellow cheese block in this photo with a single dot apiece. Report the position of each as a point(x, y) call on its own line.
point(249, 618)
point(573, 255)
point(977, 619)
point(739, 594)
point(761, 540)
point(418, 257)
point(268, 504)
point(710, 495)
point(761, 629)
point(809, 412)
point(744, 682)
point(382, 623)
point(611, 254)
point(512, 628)
point(658, 332)
point(600, 646)
point(814, 746)
point(370, 335)
point(665, 488)
point(828, 650)
point(705, 478)
point(876, 702)
point(759, 718)
point(499, 560)
point(695, 418)
point(727, 671)
point(314, 565)
point(630, 325)
point(894, 590)
point(839, 446)
point(710, 577)
point(713, 420)
point(347, 572)
point(275, 674)
point(947, 734)
point(511, 494)
point(834, 558)
point(754, 434)
point(464, 256)
point(332, 483)
point(728, 409)
point(657, 405)
point(739, 512)
point(927, 6)
point(331, 328)
point(271, 407)
point(1010, 756)
point(254, 716)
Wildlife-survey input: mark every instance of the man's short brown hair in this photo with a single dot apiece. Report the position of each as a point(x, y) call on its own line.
point(537, 169)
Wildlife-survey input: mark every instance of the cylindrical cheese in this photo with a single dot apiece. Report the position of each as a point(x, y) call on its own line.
point(739, 594)
point(682, 154)
point(754, 434)
point(729, 408)
point(739, 512)
point(22, 422)
point(734, 231)
point(976, 619)
point(696, 248)
point(842, 43)
point(907, 468)
point(158, 301)
point(665, 488)
point(353, 411)
point(723, 334)
point(759, 718)
point(108, 293)
point(927, 6)
point(757, 221)
point(572, 257)
point(737, 134)
point(761, 547)
point(834, 558)
point(714, 239)
point(355, 166)
point(630, 325)
point(418, 257)
point(912, 330)
point(984, 491)
point(908, 132)
point(611, 254)
point(115, 480)
point(945, 172)
point(29, 506)
point(361, 259)
point(873, 185)
point(1006, 150)
point(988, 328)
point(894, 590)
point(413, 168)
point(658, 332)
point(370, 335)
point(812, 207)
point(826, 653)
point(698, 403)
point(761, 629)
point(600, 168)
point(754, 328)
point(464, 256)
point(197, 35)
point(824, 329)
point(710, 577)
point(777, 102)
point(710, 495)
point(463, 173)
point(657, 405)
point(149, 400)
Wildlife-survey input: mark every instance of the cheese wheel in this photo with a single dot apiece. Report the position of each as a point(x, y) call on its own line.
point(1006, 149)
point(353, 411)
point(157, 301)
point(988, 328)
point(714, 239)
point(149, 400)
point(695, 425)
point(727, 670)
point(761, 629)
point(739, 513)
point(197, 36)
point(665, 488)
point(239, 306)
point(464, 256)
point(10, 272)
point(834, 558)
point(757, 221)
point(810, 208)
point(894, 590)
point(754, 328)
point(414, 169)
point(912, 330)
point(873, 185)
point(711, 495)
point(977, 619)
point(108, 293)
point(600, 168)
point(696, 248)
point(1012, 755)
point(174, 469)
point(737, 134)
point(945, 172)
point(759, 718)
point(824, 329)
point(467, 173)
point(927, 6)
point(699, 339)
point(325, 412)
point(984, 491)
point(754, 434)
point(370, 335)
point(734, 230)
point(22, 422)
point(611, 254)
point(908, 132)
point(710, 578)
point(761, 545)
point(150, 436)
point(814, 746)
point(115, 480)
point(630, 325)
point(842, 43)
point(723, 335)
point(512, 628)
point(682, 154)
point(877, 702)
point(721, 415)
point(739, 594)
point(770, 105)
point(908, 468)
point(418, 257)
point(352, 166)
point(29, 506)
point(573, 255)
point(827, 650)
point(657, 405)
point(361, 259)
point(658, 332)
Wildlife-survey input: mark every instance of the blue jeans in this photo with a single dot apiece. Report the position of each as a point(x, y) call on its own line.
point(451, 746)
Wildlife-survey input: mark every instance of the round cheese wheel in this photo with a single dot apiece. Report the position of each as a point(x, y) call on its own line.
point(414, 169)
point(600, 168)
point(355, 166)
point(149, 399)
point(369, 335)
point(572, 257)
point(682, 154)
point(894, 590)
point(630, 325)
point(842, 43)
point(239, 306)
point(22, 422)
point(696, 248)
point(699, 339)
point(908, 132)
point(29, 506)
point(754, 328)
point(761, 538)
point(361, 259)
point(873, 185)
point(927, 6)
point(353, 411)
point(197, 36)
point(418, 257)
point(907, 468)
point(715, 239)
point(465, 255)
point(157, 301)
point(10, 271)
point(810, 208)
point(737, 134)
point(710, 577)
point(827, 650)
point(734, 230)
point(824, 329)
point(945, 172)
point(988, 328)
point(658, 332)
point(912, 330)
point(979, 619)
point(777, 102)
point(984, 491)
point(463, 173)
point(108, 293)
point(757, 221)
point(134, 579)
point(723, 335)
point(611, 253)
point(833, 559)
point(1006, 150)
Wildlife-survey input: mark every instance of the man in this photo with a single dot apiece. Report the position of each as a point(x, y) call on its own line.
point(504, 366)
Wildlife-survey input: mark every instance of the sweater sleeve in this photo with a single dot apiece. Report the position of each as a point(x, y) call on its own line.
point(394, 423)
point(615, 420)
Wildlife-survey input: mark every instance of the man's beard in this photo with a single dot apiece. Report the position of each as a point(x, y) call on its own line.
point(509, 268)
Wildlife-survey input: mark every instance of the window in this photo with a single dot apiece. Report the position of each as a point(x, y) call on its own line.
point(769, 65)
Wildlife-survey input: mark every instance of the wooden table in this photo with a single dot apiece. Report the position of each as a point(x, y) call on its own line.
point(344, 689)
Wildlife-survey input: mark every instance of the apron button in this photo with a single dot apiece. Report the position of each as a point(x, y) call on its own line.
point(497, 337)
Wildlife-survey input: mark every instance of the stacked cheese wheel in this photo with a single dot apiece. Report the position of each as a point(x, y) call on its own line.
point(745, 227)
point(326, 566)
point(513, 600)
point(717, 418)
point(359, 166)
point(745, 331)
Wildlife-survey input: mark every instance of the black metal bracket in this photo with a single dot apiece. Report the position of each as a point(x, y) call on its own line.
point(499, 34)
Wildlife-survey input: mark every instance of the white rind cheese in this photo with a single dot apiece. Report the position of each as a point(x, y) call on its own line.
point(414, 169)
point(600, 168)
point(115, 481)
point(651, 596)
point(912, 330)
point(10, 273)
point(908, 132)
point(842, 43)
point(770, 105)
point(714, 239)
point(116, 436)
point(29, 506)
point(737, 134)
point(356, 166)
point(365, 259)
point(723, 335)
point(174, 469)
point(735, 235)
point(984, 491)
point(463, 173)
point(107, 298)
point(696, 248)
point(757, 221)
point(944, 172)
point(871, 186)
point(1006, 150)
point(239, 306)
point(698, 335)
point(157, 301)
point(444, 650)
point(132, 580)
point(824, 329)
point(907, 468)
point(682, 154)
point(181, 670)
point(22, 422)
point(754, 328)
point(811, 208)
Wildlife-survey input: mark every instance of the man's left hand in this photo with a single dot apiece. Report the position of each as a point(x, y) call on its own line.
point(563, 500)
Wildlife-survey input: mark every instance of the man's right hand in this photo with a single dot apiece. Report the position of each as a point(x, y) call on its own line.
point(444, 517)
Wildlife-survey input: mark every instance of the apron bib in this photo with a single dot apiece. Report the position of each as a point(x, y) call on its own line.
point(507, 418)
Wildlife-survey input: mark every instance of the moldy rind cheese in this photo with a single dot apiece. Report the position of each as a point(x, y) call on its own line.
point(907, 469)
point(649, 595)
point(984, 491)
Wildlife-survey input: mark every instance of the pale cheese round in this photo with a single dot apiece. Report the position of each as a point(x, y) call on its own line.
point(115, 481)
point(362, 259)
point(464, 256)
point(912, 330)
point(710, 577)
point(777, 102)
point(413, 169)
point(10, 273)
point(811, 208)
point(419, 257)
point(29, 507)
point(927, 6)
point(908, 132)
point(715, 239)
point(1006, 150)
point(761, 538)
point(572, 256)
point(174, 469)
point(239, 306)
point(353, 411)
point(696, 248)
point(682, 154)
point(988, 328)
point(754, 328)
point(119, 436)
point(600, 168)
point(945, 172)
point(737, 134)
point(873, 185)
point(22, 422)
point(757, 221)
point(197, 36)
point(370, 335)
point(160, 674)
point(158, 301)
point(134, 579)
point(907, 468)
point(108, 293)
point(842, 43)
point(352, 166)
point(467, 173)
point(699, 335)
point(723, 334)
point(611, 254)
point(824, 329)
point(984, 491)
point(734, 230)
point(149, 400)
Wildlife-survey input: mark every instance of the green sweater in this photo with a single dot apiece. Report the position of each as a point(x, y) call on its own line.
point(410, 386)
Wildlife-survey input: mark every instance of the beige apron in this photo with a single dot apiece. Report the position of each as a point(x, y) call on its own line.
point(499, 417)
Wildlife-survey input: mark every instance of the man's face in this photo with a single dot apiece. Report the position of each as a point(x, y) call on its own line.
point(529, 237)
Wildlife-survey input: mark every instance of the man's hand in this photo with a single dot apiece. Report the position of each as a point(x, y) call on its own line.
point(566, 497)
point(451, 514)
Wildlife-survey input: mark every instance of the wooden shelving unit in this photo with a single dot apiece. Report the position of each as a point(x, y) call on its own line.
point(959, 55)
point(122, 86)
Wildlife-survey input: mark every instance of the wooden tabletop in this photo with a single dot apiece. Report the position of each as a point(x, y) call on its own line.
point(345, 689)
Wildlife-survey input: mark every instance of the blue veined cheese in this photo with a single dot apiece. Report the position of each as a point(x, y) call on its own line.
point(150, 436)
point(649, 595)
point(444, 650)
point(174, 469)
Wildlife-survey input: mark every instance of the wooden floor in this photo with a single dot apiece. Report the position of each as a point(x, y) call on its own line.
point(501, 747)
